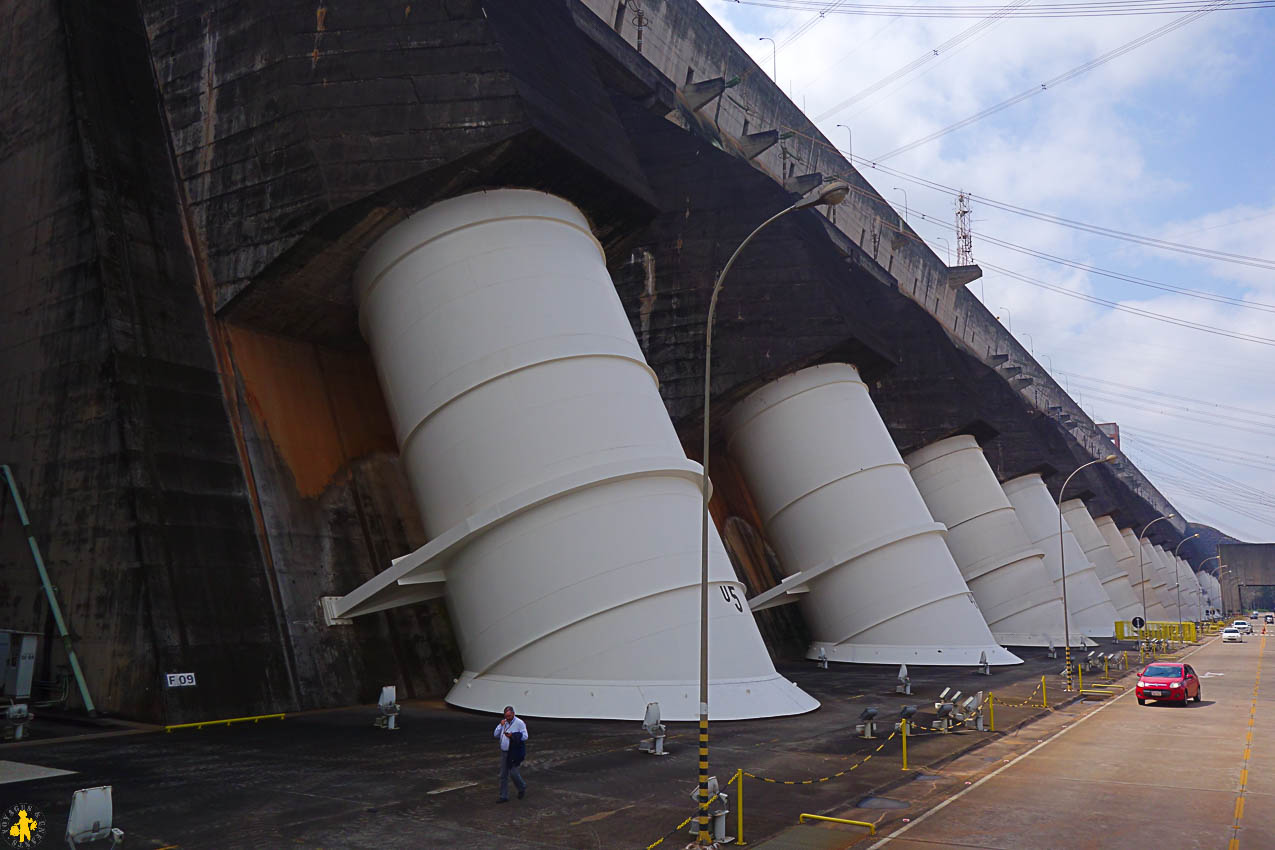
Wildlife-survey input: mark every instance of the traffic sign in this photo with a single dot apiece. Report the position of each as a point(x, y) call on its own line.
point(1138, 622)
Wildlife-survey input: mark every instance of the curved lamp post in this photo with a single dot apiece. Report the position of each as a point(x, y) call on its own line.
point(830, 195)
point(1175, 555)
point(1062, 560)
point(1142, 576)
point(1217, 558)
point(774, 61)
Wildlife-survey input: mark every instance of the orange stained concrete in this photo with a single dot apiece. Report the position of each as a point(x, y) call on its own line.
point(319, 407)
point(1119, 774)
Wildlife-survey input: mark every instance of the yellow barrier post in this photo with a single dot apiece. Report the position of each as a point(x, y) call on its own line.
point(1044, 694)
point(739, 806)
point(872, 827)
point(1081, 674)
point(991, 712)
point(904, 727)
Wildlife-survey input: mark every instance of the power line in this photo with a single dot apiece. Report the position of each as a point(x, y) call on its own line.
point(1204, 295)
point(1049, 218)
point(1125, 308)
point(922, 60)
point(1119, 8)
point(1132, 388)
point(1066, 76)
point(1260, 430)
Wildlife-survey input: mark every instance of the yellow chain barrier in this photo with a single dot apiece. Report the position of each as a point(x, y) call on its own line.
point(666, 835)
point(836, 775)
point(1031, 699)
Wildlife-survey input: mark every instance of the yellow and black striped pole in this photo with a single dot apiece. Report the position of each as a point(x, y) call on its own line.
point(704, 837)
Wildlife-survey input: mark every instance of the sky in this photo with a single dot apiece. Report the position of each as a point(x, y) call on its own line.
point(1173, 140)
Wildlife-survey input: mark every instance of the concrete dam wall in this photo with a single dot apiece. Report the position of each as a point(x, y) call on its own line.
point(208, 445)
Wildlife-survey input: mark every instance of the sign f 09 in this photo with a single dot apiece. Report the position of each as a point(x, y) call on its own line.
point(179, 680)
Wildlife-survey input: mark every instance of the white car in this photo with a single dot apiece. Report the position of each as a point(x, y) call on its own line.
point(1230, 634)
point(1243, 626)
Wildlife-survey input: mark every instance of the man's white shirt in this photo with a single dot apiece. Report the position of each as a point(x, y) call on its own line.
point(504, 726)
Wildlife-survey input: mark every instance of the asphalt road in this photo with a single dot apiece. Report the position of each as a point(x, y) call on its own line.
point(1120, 774)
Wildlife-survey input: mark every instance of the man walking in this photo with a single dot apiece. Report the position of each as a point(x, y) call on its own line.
point(512, 733)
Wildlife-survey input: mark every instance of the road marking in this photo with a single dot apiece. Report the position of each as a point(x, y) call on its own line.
point(1064, 730)
point(1252, 716)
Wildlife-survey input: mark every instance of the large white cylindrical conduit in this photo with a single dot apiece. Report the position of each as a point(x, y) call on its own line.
point(563, 512)
point(1004, 571)
point(1169, 576)
point(1155, 574)
point(1141, 577)
point(1190, 590)
point(850, 527)
point(1114, 581)
point(1087, 604)
point(1126, 563)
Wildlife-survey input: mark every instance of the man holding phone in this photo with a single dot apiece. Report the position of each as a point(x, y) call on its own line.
point(512, 734)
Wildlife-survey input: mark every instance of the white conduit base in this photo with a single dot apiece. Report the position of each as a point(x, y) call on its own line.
point(1006, 574)
point(1088, 606)
point(1114, 582)
point(850, 527)
point(563, 514)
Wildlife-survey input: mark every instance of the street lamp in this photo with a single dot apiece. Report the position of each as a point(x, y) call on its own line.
point(774, 61)
point(1062, 560)
point(1031, 343)
point(1217, 558)
point(1175, 555)
point(1010, 315)
point(849, 150)
point(947, 245)
point(905, 202)
point(830, 195)
point(1142, 576)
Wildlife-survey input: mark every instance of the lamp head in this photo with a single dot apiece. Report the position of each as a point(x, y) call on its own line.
point(830, 194)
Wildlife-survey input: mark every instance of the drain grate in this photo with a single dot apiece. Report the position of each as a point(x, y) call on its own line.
point(927, 777)
point(880, 803)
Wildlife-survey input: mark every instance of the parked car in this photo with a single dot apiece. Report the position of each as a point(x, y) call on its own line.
point(1244, 626)
point(1270, 618)
point(1230, 634)
point(1170, 682)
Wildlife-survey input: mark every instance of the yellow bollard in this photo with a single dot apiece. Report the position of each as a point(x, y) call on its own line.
point(904, 728)
point(739, 807)
point(1080, 673)
point(1044, 694)
point(991, 712)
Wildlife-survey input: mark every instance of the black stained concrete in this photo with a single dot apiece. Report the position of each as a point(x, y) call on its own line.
point(329, 779)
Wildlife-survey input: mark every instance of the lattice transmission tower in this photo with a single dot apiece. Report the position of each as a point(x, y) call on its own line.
point(964, 238)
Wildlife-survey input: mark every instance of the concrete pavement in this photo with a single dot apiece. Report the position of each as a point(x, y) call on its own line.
point(1116, 774)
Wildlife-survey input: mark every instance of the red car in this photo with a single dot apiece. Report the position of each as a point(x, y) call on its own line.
point(1168, 681)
